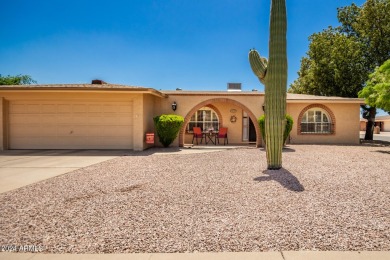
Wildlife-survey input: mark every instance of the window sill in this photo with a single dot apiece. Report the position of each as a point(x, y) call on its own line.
point(316, 133)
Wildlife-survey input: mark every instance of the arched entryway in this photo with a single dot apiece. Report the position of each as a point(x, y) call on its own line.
point(209, 103)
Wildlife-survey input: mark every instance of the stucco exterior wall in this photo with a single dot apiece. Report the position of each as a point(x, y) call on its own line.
point(3, 125)
point(187, 102)
point(147, 105)
point(150, 110)
point(347, 124)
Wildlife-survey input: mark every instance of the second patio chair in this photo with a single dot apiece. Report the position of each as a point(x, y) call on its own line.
point(197, 134)
point(222, 134)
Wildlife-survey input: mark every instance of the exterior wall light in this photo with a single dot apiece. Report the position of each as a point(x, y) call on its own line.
point(174, 106)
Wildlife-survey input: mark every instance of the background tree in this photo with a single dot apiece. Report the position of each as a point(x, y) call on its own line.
point(340, 59)
point(16, 80)
point(377, 90)
point(334, 66)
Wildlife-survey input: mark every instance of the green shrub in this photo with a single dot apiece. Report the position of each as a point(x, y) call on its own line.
point(168, 126)
point(261, 121)
point(287, 129)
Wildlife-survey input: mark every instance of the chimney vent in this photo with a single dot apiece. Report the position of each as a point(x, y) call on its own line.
point(98, 81)
point(234, 86)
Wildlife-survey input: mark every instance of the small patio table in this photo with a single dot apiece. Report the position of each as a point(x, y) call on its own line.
point(209, 136)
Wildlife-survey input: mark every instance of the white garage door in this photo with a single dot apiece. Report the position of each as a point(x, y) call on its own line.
point(70, 125)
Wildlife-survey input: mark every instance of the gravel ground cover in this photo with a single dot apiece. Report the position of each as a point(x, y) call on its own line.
point(325, 198)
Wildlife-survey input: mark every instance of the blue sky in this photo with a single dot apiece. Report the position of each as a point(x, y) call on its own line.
point(163, 44)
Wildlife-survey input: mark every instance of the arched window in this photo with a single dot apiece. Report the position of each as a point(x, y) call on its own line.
point(205, 118)
point(316, 121)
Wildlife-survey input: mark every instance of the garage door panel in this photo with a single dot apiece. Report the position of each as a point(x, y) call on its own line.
point(125, 109)
point(35, 142)
point(48, 130)
point(80, 108)
point(28, 119)
point(18, 109)
point(64, 108)
point(47, 142)
point(109, 109)
point(96, 131)
point(64, 131)
point(97, 120)
point(116, 140)
point(21, 130)
point(122, 120)
point(22, 142)
point(48, 119)
point(64, 119)
point(49, 108)
point(33, 108)
point(110, 120)
point(74, 141)
point(94, 109)
point(25, 108)
point(22, 119)
point(81, 131)
point(70, 125)
point(35, 131)
point(120, 131)
point(79, 119)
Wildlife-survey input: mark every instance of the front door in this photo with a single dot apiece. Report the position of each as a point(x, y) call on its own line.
point(252, 131)
point(248, 128)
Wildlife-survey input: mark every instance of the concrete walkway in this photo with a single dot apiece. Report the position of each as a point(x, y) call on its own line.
point(285, 255)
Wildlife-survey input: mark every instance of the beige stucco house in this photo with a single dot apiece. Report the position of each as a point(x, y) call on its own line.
point(382, 122)
point(108, 116)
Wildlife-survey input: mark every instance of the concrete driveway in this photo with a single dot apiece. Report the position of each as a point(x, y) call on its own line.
point(383, 136)
point(19, 168)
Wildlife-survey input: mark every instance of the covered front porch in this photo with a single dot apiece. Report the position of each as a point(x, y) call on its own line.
point(215, 112)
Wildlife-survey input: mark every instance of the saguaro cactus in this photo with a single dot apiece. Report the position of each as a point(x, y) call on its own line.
point(273, 74)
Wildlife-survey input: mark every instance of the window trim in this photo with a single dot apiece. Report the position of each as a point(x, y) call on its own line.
point(213, 110)
point(325, 110)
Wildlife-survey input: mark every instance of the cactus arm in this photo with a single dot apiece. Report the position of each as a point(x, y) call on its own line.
point(258, 65)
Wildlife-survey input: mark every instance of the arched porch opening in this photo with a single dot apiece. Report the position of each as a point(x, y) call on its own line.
point(209, 103)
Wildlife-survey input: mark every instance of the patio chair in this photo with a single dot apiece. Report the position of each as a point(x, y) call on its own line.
point(197, 134)
point(222, 134)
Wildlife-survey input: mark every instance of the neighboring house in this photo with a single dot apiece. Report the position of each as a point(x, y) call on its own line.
point(108, 116)
point(382, 121)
